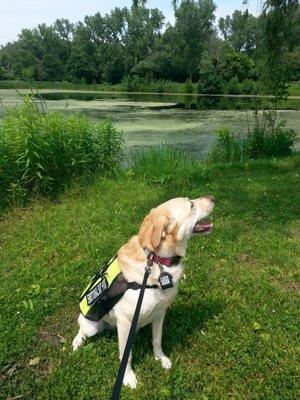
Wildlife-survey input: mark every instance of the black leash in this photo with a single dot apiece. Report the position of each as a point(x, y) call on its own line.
point(118, 384)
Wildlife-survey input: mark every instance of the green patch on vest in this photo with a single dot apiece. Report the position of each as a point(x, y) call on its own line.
point(92, 300)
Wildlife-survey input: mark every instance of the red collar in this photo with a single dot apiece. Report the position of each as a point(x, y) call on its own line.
point(167, 261)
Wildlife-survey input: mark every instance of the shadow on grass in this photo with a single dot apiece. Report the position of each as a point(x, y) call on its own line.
point(182, 322)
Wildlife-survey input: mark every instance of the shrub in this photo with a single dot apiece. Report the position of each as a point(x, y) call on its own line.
point(270, 141)
point(40, 153)
point(233, 86)
point(131, 84)
point(136, 83)
point(188, 86)
point(247, 86)
point(226, 148)
point(158, 86)
point(266, 140)
point(210, 84)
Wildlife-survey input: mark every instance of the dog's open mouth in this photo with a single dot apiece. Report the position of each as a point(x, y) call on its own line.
point(203, 227)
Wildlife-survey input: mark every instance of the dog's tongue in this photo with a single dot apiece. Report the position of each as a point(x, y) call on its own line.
point(201, 227)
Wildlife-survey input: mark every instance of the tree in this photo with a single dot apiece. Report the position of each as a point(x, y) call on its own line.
point(38, 54)
point(123, 38)
point(130, 41)
point(143, 25)
point(194, 19)
point(158, 65)
point(107, 35)
point(171, 43)
point(236, 64)
point(64, 29)
point(241, 30)
point(210, 81)
point(82, 62)
point(280, 25)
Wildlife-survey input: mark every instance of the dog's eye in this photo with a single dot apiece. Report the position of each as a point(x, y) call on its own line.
point(192, 204)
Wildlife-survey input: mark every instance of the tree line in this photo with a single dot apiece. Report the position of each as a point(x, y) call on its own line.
point(136, 43)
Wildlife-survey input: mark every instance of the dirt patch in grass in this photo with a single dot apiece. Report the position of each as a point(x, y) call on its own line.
point(294, 231)
point(247, 259)
point(44, 335)
point(288, 285)
point(57, 328)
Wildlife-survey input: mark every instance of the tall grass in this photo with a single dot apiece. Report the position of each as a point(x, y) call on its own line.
point(226, 148)
point(162, 164)
point(41, 152)
point(269, 139)
point(266, 139)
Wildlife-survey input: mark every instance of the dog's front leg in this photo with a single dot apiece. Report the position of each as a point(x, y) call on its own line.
point(157, 326)
point(129, 377)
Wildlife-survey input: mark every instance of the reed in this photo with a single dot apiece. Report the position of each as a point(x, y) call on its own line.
point(42, 152)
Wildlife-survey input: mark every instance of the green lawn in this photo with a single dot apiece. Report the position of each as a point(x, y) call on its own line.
point(294, 89)
point(233, 331)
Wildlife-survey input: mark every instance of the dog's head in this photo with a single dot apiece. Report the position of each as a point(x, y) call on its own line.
point(168, 227)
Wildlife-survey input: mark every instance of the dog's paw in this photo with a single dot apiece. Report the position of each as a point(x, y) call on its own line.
point(78, 340)
point(130, 380)
point(165, 362)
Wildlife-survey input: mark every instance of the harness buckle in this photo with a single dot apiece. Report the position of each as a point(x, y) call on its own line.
point(134, 285)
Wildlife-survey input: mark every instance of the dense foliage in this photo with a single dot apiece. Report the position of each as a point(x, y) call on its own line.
point(40, 153)
point(136, 45)
point(262, 141)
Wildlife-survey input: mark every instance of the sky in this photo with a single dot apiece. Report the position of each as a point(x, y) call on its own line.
point(18, 14)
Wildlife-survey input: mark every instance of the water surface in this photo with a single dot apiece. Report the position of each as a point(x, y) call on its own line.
point(186, 122)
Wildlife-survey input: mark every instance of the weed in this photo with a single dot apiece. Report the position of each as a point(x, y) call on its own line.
point(226, 148)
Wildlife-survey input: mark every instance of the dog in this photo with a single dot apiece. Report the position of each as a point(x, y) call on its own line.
point(164, 234)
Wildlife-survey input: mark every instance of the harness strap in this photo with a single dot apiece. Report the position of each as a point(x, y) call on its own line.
point(136, 286)
point(118, 384)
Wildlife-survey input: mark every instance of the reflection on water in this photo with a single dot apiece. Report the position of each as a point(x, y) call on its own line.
point(187, 102)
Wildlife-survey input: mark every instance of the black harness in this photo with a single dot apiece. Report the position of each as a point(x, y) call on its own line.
point(100, 297)
point(114, 294)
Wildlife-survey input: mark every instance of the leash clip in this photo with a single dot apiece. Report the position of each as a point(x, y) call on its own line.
point(150, 259)
point(149, 265)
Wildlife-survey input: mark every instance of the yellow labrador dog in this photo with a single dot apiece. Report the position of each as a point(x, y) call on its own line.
point(163, 236)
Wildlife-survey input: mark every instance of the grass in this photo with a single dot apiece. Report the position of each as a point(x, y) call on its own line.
point(266, 139)
point(232, 331)
point(163, 164)
point(55, 85)
point(155, 86)
point(42, 152)
point(294, 89)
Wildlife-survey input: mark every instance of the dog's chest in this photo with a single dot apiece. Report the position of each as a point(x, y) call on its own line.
point(155, 301)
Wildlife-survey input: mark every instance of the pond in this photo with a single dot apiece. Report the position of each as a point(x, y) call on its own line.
point(185, 122)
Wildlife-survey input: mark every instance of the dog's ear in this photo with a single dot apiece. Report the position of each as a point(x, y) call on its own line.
point(159, 230)
point(145, 233)
point(171, 226)
point(153, 230)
